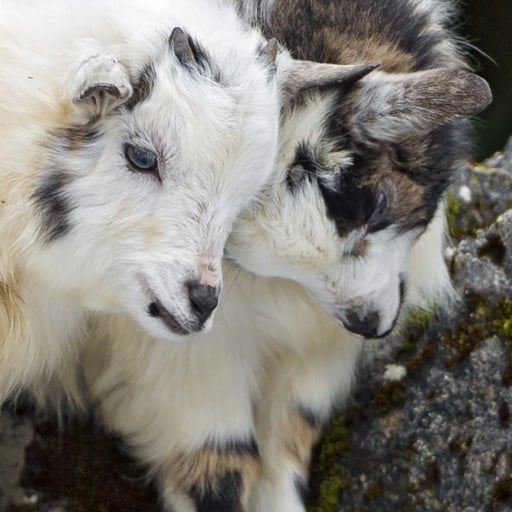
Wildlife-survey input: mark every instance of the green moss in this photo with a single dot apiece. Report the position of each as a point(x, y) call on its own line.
point(482, 166)
point(390, 396)
point(328, 469)
point(412, 329)
point(417, 318)
point(453, 210)
point(482, 322)
point(418, 345)
point(506, 331)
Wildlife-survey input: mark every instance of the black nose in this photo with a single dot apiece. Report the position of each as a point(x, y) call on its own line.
point(204, 299)
point(365, 324)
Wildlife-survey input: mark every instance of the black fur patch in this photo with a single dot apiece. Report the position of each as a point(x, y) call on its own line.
point(350, 203)
point(302, 488)
point(403, 289)
point(349, 207)
point(314, 420)
point(71, 138)
point(53, 205)
point(225, 497)
point(202, 61)
point(143, 87)
point(241, 448)
point(393, 33)
point(304, 167)
point(50, 197)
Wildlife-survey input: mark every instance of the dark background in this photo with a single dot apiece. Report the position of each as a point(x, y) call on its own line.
point(487, 24)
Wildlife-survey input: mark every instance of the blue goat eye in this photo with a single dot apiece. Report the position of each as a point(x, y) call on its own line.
point(141, 159)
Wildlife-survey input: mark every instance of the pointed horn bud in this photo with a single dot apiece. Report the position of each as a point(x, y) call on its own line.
point(180, 45)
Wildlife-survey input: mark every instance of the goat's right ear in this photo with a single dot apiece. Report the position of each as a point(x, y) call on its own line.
point(387, 107)
point(99, 84)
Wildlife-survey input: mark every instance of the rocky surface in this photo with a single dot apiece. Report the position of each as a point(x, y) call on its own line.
point(15, 435)
point(430, 429)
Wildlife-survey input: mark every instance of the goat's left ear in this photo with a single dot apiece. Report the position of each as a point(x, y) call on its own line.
point(387, 107)
point(100, 83)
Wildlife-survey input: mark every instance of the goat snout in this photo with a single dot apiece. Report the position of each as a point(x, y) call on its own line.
point(204, 299)
point(364, 323)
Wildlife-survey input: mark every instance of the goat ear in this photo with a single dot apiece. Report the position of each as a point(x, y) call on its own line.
point(179, 42)
point(386, 107)
point(300, 75)
point(101, 83)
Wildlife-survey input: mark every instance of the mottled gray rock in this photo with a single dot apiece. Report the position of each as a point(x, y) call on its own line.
point(15, 435)
point(481, 193)
point(445, 447)
point(483, 264)
point(433, 431)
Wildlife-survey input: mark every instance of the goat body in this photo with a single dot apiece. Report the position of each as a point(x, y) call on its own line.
point(349, 229)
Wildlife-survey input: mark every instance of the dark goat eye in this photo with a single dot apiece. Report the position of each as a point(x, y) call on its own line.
point(140, 159)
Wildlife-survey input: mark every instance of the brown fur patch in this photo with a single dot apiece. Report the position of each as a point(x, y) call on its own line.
point(203, 471)
point(370, 49)
point(10, 311)
point(348, 32)
point(75, 137)
point(349, 35)
point(406, 205)
point(300, 436)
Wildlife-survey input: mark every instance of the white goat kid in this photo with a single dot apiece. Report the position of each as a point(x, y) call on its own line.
point(132, 135)
point(226, 421)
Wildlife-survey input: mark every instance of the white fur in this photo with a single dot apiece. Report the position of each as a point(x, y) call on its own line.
point(272, 347)
point(132, 238)
point(165, 399)
point(278, 344)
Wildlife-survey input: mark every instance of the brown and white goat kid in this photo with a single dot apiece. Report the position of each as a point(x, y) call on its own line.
point(132, 133)
point(349, 229)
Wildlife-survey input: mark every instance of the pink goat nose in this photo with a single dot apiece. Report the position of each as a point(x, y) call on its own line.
point(208, 276)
